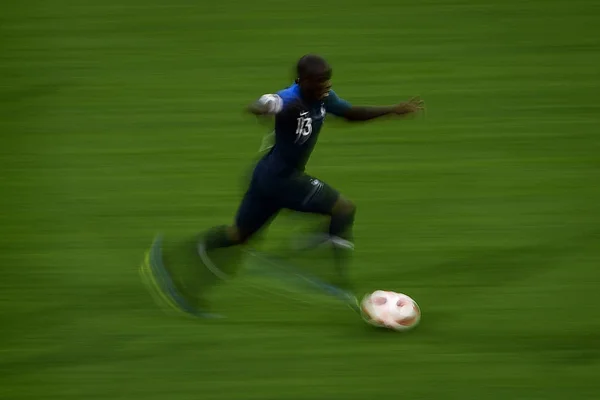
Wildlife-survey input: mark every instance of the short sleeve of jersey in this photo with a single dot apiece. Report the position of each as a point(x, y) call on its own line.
point(336, 105)
point(287, 96)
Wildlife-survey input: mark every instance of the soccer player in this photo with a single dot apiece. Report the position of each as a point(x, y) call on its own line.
point(279, 181)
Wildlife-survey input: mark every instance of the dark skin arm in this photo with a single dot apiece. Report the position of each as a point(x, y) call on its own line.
point(366, 113)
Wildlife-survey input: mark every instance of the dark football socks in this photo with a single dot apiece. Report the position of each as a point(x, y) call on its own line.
point(340, 230)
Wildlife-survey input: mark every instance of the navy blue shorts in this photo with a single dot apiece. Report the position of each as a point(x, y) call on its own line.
point(268, 194)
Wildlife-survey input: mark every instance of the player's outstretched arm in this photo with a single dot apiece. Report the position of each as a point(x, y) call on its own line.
point(366, 113)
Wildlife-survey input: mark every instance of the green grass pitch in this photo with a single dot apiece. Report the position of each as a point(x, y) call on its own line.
point(122, 118)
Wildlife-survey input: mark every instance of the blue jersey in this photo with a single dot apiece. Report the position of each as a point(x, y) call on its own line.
point(297, 127)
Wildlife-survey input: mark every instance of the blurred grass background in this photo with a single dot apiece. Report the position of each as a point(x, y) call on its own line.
point(122, 118)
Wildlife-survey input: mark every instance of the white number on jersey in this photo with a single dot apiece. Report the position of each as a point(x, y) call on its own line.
point(304, 128)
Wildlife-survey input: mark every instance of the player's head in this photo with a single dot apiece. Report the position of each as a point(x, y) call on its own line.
point(313, 74)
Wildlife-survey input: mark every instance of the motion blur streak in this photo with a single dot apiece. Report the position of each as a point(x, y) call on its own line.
point(123, 118)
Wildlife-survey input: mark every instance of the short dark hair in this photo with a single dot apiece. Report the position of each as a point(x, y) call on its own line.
point(310, 65)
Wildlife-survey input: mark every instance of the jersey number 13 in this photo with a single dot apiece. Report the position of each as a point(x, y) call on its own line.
point(304, 128)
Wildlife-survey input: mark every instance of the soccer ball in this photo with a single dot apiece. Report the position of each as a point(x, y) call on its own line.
point(390, 310)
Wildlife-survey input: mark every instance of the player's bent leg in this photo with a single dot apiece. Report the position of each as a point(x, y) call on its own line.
point(310, 195)
point(222, 236)
point(337, 230)
point(218, 237)
point(254, 213)
point(341, 233)
point(319, 198)
point(341, 226)
point(306, 194)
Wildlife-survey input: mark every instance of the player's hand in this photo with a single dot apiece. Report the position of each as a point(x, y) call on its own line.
point(411, 106)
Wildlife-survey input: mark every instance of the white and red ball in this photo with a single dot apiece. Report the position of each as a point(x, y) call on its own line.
point(391, 310)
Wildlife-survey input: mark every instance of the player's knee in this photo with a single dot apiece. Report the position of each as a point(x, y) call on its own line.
point(345, 207)
point(237, 236)
point(342, 218)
